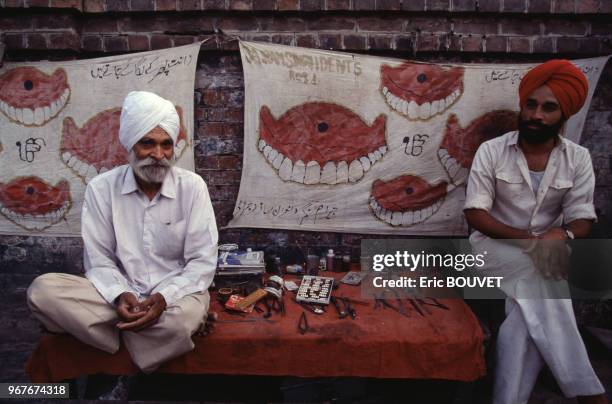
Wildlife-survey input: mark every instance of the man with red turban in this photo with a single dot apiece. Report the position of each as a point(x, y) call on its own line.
point(529, 191)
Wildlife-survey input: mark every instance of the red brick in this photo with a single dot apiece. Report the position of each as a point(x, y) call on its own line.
point(165, 5)
point(37, 3)
point(288, 5)
point(238, 24)
point(471, 43)
point(233, 130)
point(230, 45)
point(330, 41)
point(142, 5)
point(66, 4)
point(354, 42)
point(14, 3)
point(49, 21)
point(264, 5)
point(404, 43)
point(425, 24)
point(306, 40)
point(36, 41)
point(605, 7)
point(364, 4)
point(453, 42)
point(464, 5)
point(496, 43)
point(565, 6)
point(281, 24)
point(379, 42)
point(180, 40)
point(115, 43)
point(338, 4)
point(438, 5)
point(601, 28)
point(212, 129)
point(543, 45)
point(588, 6)
point(428, 42)
point(213, 5)
point(16, 24)
point(380, 24)
point(230, 162)
point(209, 162)
point(209, 115)
point(331, 24)
point(93, 6)
point(311, 5)
point(234, 115)
point(520, 27)
point(14, 41)
point(388, 4)
point(282, 39)
point(91, 43)
point(161, 41)
point(64, 40)
point(240, 5)
point(540, 6)
point(514, 6)
point(489, 5)
point(100, 24)
point(518, 45)
point(566, 27)
point(567, 45)
point(189, 5)
point(476, 26)
point(117, 5)
point(413, 5)
point(590, 45)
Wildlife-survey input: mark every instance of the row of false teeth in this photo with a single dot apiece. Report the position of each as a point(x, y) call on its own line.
point(456, 171)
point(414, 111)
point(312, 173)
point(406, 218)
point(38, 116)
point(37, 222)
point(81, 168)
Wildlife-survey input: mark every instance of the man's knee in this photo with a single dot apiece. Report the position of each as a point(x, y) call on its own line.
point(41, 294)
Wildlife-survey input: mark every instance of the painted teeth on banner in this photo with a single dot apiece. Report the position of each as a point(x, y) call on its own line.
point(351, 143)
point(59, 127)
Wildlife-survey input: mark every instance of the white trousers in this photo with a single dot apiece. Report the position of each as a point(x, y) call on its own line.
point(71, 304)
point(539, 329)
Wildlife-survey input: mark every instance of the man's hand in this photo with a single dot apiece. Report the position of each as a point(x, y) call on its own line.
point(128, 307)
point(152, 307)
point(551, 255)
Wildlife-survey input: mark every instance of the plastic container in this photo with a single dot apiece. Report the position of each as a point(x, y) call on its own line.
point(329, 260)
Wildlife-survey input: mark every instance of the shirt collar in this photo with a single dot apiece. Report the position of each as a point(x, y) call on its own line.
point(168, 188)
point(513, 140)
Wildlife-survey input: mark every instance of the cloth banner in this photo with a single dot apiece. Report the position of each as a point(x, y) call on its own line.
point(351, 143)
point(59, 127)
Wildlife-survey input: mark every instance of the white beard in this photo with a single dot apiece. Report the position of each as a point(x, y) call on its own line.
point(148, 169)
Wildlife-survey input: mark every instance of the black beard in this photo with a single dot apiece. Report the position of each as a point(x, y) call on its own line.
point(542, 133)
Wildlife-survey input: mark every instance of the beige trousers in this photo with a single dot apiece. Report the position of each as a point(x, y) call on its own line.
point(71, 304)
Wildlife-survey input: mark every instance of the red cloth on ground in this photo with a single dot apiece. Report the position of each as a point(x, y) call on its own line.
point(379, 343)
point(566, 81)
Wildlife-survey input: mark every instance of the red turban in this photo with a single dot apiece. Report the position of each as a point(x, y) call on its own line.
point(565, 80)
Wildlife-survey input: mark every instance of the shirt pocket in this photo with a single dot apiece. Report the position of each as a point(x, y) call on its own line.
point(557, 190)
point(170, 239)
point(509, 184)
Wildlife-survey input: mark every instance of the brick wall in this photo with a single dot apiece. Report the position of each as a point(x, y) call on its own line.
point(430, 30)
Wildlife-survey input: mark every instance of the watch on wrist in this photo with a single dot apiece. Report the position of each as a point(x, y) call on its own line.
point(570, 234)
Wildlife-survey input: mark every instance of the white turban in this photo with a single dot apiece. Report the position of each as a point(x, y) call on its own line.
point(142, 111)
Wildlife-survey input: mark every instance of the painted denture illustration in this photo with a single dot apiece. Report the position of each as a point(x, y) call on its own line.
point(420, 91)
point(460, 144)
point(406, 200)
point(321, 143)
point(95, 148)
point(31, 97)
point(34, 204)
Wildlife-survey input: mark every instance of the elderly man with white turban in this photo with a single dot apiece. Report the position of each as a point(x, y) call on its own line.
point(150, 248)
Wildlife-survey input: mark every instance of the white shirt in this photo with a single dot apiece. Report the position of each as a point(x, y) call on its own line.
point(133, 244)
point(500, 183)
